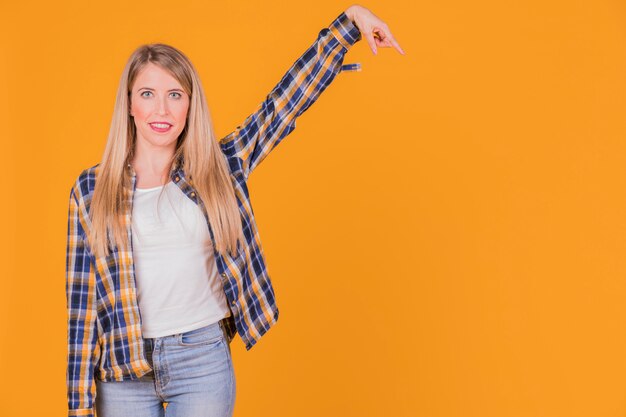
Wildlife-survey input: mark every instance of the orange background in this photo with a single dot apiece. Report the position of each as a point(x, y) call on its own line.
point(445, 230)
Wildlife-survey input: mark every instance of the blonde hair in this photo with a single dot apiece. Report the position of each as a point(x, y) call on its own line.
point(202, 158)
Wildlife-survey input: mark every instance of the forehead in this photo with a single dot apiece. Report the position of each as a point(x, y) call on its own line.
point(156, 77)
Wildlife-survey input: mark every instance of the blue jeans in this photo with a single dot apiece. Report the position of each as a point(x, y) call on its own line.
point(192, 371)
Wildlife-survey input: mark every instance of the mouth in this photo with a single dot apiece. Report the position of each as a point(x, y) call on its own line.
point(160, 127)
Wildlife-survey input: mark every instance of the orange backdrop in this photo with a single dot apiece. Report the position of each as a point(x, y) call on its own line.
point(445, 230)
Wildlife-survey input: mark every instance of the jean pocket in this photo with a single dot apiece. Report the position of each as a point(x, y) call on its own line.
point(203, 336)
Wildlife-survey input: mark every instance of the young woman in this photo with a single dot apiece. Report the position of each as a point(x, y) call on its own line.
point(164, 260)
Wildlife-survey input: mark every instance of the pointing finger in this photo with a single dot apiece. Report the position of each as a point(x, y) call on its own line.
point(397, 45)
point(393, 41)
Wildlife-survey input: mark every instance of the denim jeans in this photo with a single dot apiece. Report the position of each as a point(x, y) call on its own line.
point(192, 372)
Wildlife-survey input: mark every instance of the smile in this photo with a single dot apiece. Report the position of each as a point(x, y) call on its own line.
point(160, 127)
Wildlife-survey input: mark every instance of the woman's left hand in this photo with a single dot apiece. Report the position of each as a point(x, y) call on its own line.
point(375, 31)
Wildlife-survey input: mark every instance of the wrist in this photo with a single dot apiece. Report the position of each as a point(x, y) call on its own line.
point(350, 11)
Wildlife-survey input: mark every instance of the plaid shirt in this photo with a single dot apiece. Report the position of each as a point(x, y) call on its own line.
point(104, 321)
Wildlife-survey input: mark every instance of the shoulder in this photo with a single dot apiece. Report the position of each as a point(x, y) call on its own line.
point(85, 183)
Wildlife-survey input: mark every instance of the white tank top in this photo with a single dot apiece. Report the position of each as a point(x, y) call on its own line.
point(178, 287)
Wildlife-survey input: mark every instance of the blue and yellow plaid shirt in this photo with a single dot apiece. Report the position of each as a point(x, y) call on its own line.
point(104, 322)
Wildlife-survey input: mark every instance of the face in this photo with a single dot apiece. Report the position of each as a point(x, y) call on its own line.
point(159, 107)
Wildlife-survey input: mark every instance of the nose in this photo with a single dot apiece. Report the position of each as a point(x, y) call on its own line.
point(162, 108)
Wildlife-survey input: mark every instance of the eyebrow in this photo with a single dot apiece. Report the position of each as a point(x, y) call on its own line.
point(148, 88)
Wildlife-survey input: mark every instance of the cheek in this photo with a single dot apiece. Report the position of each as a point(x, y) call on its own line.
point(141, 112)
point(181, 113)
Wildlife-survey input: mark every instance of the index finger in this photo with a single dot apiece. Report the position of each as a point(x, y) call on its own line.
point(395, 43)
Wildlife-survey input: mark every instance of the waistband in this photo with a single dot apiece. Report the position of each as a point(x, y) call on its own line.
point(149, 341)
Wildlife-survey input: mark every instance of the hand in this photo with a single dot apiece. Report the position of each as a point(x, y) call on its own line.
point(375, 31)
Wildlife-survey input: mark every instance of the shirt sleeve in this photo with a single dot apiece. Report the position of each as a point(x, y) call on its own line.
point(275, 117)
point(82, 352)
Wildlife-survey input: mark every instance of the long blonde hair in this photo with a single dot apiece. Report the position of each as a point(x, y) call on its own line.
point(202, 158)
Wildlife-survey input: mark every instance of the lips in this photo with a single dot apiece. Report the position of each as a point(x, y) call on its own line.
point(160, 126)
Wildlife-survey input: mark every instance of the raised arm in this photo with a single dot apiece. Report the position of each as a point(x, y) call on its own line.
point(275, 117)
point(80, 287)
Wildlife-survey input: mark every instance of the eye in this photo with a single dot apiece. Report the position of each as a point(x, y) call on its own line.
point(179, 95)
point(142, 94)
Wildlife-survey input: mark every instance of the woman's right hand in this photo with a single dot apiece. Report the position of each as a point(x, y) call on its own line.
point(373, 29)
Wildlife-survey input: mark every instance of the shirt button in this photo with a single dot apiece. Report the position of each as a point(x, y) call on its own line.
point(224, 274)
point(177, 178)
point(233, 303)
point(193, 194)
